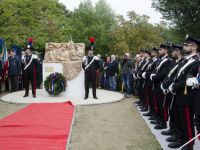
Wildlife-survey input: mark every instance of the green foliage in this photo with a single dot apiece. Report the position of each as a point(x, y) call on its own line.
point(134, 33)
point(55, 83)
point(43, 20)
point(183, 14)
point(87, 21)
point(50, 21)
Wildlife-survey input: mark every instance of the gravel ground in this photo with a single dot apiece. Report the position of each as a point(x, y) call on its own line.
point(9, 108)
point(115, 126)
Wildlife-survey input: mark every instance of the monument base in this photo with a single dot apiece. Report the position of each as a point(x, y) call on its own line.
point(104, 96)
point(75, 87)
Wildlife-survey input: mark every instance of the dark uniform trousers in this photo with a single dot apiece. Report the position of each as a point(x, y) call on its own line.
point(197, 111)
point(90, 76)
point(187, 123)
point(159, 101)
point(186, 119)
point(30, 75)
point(148, 95)
point(153, 100)
point(198, 122)
point(14, 82)
point(141, 91)
point(174, 119)
point(171, 109)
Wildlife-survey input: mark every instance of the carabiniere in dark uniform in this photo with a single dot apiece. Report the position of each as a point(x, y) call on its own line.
point(157, 77)
point(90, 65)
point(151, 94)
point(185, 94)
point(170, 104)
point(29, 62)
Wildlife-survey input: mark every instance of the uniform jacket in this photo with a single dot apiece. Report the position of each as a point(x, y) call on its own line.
point(162, 69)
point(25, 61)
point(188, 68)
point(93, 67)
point(151, 67)
point(169, 79)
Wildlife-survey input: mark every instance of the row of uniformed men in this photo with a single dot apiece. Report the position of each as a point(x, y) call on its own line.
point(167, 87)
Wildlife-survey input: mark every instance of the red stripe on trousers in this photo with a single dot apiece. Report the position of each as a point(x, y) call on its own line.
point(188, 121)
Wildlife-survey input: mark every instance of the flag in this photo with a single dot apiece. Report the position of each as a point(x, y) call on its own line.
point(3, 51)
point(4, 57)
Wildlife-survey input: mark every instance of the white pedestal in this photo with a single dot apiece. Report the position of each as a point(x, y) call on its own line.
point(75, 87)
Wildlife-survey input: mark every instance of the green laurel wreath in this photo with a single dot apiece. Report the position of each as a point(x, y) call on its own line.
point(55, 83)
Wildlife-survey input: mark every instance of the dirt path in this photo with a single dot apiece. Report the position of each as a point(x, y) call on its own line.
point(9, 108)
point(116, 126)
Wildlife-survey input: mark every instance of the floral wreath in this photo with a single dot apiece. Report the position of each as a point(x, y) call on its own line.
point(55, 83)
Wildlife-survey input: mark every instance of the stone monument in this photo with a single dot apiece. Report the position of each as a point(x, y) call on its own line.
point(66, 58)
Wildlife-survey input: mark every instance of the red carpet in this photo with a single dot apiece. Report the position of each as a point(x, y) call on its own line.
point(37, 127)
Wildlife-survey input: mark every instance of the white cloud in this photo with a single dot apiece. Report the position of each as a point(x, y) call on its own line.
point(122, 7)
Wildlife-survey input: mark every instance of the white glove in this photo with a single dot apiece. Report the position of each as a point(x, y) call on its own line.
point(161, 86)
point(171, 88)
point(192, 82)
point(115, 74)
point(165, 91)
point(144, 75)
point(134, 76)
point(138, 76)
point(151, 77)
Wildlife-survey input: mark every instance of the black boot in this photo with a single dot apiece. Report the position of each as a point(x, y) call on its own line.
point(175, 145)
point(168, 132)
point(140, 105)
point(187, 147)
point(152, 118)
point(160, 126)
point(138, 102)
point(26, 95)
point(144, 109)
point(95, 97)
point(86, 97)
point(172, 138)
point(147, 114)
point(154, 122)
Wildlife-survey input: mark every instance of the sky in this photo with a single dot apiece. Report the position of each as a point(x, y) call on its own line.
point(123, 6)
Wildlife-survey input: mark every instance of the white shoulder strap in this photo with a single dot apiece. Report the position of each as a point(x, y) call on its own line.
point(93, 59)
point(145, 65)
point(161, 64)
point(186, 65)
point(29, 62)
point(172, 71)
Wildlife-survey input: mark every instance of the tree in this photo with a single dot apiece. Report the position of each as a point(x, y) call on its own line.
point(45, 21)
point(97, 21)
point(50, 21)
point(184, 15)
point(134, 33)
